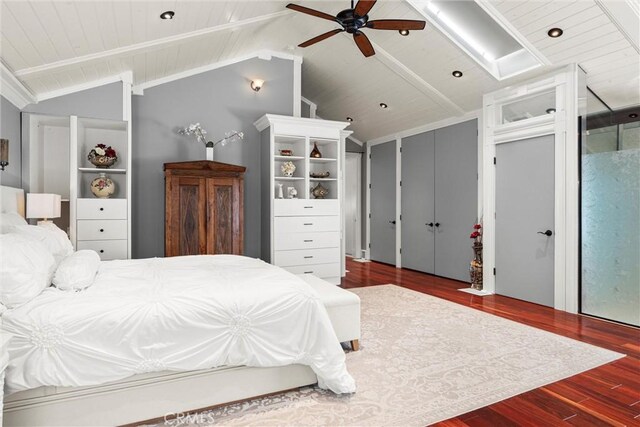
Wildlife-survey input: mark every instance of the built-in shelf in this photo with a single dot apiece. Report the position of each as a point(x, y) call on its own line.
point(288, 157)
point(321, 159)
point(102, 170)
point(323, 179)
point(288, 178)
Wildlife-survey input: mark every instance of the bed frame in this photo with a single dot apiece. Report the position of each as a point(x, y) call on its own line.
point(145, 396)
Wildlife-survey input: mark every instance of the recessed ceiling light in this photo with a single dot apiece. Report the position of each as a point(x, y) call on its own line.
point(383, 105)
point(457, 73)
point(555, 32)
point(404, 32)
point(550, 110)
point(633, 115)
point(349, 119)
point(167, 15)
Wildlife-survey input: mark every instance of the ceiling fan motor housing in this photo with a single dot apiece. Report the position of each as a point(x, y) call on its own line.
point(350, 21)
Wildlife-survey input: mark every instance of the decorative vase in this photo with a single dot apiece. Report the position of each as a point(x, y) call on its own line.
point(288, 168)
point(475, 270)
point(319, 191)
point(209, 149)
point(280, 192)
point(99, 161)
point(102, 186)
point(315, 152)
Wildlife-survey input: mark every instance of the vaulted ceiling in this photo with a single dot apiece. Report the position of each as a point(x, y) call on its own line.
point(53, 45)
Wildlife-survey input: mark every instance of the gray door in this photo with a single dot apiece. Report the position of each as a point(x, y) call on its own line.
point(383, 202)
point(418, 202)
point(525, 195)
point(456, 198)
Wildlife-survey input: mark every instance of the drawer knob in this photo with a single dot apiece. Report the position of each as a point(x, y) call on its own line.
point(308, 207)
point(101, 251)
point(309, 256)
point(102, 230)
point(101, 209)
point(308, 223)
point(309, 240)
point(308, 272)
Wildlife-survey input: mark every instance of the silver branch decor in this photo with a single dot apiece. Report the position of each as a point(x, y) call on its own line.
point(199, 132)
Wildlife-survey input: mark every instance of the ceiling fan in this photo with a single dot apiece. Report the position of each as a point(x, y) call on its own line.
point(354, 20)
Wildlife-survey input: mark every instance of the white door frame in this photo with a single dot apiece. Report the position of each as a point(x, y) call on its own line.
point(564, 126)
point(358, 230)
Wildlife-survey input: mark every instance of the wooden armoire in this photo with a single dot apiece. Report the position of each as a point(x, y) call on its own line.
point(203, 208)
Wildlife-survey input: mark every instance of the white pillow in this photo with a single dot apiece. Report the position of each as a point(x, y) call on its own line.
point(54, 239)
point(26, 268)
point(77, 271)
point(9, 220)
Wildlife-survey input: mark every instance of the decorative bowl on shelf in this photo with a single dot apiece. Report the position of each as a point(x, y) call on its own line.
point(286, 153)
point(319, 174)
point(102, 156)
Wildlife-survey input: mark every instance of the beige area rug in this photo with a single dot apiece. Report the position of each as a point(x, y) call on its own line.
point(423, 360)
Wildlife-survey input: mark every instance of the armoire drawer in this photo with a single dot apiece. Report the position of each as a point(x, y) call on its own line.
point(101, 209)
point(297, 224)
point(307, 257)
point(303, 207)
point(287, 241)
point(102, 229)
point(320, 270)
point(107, 249)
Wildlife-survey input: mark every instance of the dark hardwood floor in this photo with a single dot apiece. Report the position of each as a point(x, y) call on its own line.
point(605, 396)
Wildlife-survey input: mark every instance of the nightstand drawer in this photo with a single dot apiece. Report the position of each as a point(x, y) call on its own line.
point(297, 224)
point(107, 249)
point(288, 241)
point(98, 229)
point(303, 207)
point(319, 270)
point(101, 209)
point(306, 257)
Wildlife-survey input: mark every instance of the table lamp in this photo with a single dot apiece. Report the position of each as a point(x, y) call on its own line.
point(43, 205)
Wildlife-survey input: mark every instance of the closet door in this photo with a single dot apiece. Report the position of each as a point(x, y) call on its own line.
point(186, 216)
point(456, 198)
point(418, 175)
point(383, 203)
point(224, 232)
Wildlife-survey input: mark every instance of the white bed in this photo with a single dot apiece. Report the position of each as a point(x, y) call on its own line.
point(159, 336)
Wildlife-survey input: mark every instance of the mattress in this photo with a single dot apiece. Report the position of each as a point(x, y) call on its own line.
point(172, 314)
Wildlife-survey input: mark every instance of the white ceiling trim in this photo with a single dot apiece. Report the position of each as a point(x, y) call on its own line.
point(13, 90)
point(126, 77)
point(144, 46)
point(476, 114)
point(624, 16)
point(261, 54)
point(413, 79)
point(356, 140)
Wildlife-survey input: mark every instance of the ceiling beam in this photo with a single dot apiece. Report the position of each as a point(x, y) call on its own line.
point(144, 46)
point(13, 89)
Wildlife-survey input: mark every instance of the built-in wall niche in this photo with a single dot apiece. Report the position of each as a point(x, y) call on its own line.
point(328, 149)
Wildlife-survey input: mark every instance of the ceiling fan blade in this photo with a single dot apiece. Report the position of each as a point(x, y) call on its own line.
point(311, 12)
point(395, 24)
point(320, 38)
point(363, 44)
point(363, 7)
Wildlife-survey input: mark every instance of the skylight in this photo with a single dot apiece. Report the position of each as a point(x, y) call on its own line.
point(469, 26)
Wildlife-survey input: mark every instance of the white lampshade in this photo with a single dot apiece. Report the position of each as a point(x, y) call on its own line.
point(43, 205)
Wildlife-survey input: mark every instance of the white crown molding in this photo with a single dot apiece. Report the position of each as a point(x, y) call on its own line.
point(625, 15)
point(356, 140)
point(13, 90)
point(139, 47)
point(313, 107)
point(415, 80)
point(126, 77)
point(264, 54)
point(476, 114)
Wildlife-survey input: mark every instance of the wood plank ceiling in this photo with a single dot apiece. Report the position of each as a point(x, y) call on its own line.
point(52, 45)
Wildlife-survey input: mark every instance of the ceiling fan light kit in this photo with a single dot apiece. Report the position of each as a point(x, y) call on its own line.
point(354, 20)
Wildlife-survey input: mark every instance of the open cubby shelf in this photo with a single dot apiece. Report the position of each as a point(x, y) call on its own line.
point(101, 170)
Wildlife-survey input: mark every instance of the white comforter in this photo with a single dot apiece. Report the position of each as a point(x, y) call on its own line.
point(181, 313)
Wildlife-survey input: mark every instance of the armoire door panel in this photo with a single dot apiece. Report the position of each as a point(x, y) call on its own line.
point(220, 201)
point(187, 216)
point(383, 203)
point(456, 198)
point(418, 180)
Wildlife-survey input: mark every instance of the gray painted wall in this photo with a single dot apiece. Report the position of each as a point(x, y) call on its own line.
point(10, 129)
point(103, 102)
point(220, 100)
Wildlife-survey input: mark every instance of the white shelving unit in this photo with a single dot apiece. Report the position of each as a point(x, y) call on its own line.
point(303, 235)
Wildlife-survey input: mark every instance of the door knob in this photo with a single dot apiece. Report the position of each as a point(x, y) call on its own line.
point(392, 222)
point(437, 224)
point(430, 224)
point(547, 233)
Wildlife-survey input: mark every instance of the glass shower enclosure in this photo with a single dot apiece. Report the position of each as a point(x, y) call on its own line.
point(610, 214)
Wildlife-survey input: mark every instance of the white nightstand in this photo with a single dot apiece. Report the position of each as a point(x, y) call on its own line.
point(4, 361)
